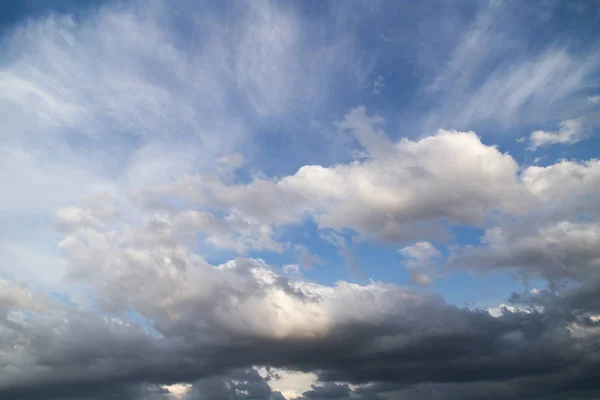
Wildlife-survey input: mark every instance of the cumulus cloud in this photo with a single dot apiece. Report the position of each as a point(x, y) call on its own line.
point(564, 190)
point(399, 193)
point(420, 258)
point(420, 254)
point(556, 251)
point(570, 132)
point(556, 238)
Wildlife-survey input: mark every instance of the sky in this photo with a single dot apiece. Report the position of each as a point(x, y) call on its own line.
point(268, 200)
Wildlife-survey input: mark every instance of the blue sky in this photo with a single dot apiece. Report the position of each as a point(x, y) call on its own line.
point(443, 148)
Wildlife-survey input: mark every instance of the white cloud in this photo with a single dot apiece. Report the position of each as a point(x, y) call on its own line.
point(399, 193)
point(291, 384)
point(178, 390)
point(477, 42)
point(491, 78)
point(116, 57)
point(594, 99)
point(527, 87)
point(503, 309)
point(420, 254)
point(227, 165)
point(570, 132)
point(378, 84)
point(420, 258)
point(123, 98)
point(564, 190)
point(73, 218)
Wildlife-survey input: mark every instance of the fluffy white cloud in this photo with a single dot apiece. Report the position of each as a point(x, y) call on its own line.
point(570, 132)
point(564, 190)
point(420, 254)
point(420, 258)
point(399, 193)
point(72, 218)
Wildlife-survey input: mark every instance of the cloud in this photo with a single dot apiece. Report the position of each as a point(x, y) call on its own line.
point(327, 390)
point(406, 338)
point(237, 384)
point(555, 251)
point(291, 384)
point(564, 190)
point(570, 132)
point(420, 278)
point(493, 77)
point(398, 194)
point(71, 218)
point(198, 322)
point(135, 94)
point(378, 84)
point(557, 74)
point(129, 142)
point(420, 258)
point(18, 297)
point(594, 99)
point(420, 254)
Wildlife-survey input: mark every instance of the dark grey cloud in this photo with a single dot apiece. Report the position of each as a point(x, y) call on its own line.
point(328, 390)
point(563, 250)
point(419, 349)
point(240, 384)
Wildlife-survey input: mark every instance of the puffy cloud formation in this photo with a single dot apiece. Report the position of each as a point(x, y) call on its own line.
point(398, 194)
point(570, 132)
point(561, 250)
point(421, 255)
